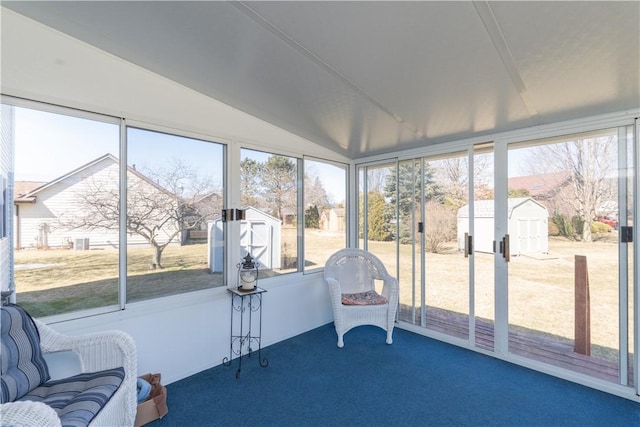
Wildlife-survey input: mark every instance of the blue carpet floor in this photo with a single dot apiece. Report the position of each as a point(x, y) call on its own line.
point(416, 381)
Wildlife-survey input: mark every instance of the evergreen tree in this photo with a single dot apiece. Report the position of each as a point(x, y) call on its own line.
point(278, 184)
point(312, 217)
point(378, 219)
point(406, 192)
point(250, 182)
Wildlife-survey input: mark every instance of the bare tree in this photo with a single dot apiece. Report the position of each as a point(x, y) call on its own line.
point(315, 193)
point(377, 177)
point(590, 164)
point(453, 176)
point(161, 205)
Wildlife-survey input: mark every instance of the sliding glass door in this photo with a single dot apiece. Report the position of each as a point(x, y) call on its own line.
point(481, 246)
point(446, 247)
point(567, 246)
point(433, 265)
point(518, 248)
point(377, 220)
point(419, 217)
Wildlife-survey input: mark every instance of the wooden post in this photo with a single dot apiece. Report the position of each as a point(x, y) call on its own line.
point(582, 340)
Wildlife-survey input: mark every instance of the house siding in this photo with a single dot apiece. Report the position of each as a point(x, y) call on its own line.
point(42, 224)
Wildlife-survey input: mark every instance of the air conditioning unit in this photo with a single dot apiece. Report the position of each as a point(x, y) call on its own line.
point(81, 244)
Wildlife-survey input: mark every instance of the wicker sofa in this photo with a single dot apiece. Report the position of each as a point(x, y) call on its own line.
point(102, 394)
point(351, 275)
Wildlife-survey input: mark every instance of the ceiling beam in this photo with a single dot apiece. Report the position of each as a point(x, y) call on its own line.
point(483, 8)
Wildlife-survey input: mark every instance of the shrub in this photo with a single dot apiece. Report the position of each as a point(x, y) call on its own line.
point(565, 227)
point(440, 226)
point(600, 227)
point(553, 229)
point(578, 224)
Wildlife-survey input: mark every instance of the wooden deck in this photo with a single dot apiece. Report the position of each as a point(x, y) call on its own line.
point(556, 351)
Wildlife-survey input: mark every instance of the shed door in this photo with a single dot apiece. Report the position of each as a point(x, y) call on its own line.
point(528, 237)
point(255, 238)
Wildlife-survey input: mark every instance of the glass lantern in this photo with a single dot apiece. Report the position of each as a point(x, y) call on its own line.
point(248, 274)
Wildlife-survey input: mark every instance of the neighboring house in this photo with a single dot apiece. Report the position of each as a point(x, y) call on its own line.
point(528, 226)
point(332, 219)
point(207, 206)
point(288, 217)
point(45, 215)
point(553, 190)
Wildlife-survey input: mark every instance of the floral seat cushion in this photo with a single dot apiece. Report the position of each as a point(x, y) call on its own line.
point(363, 298)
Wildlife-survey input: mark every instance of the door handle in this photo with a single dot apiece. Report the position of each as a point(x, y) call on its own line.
point(468, 245)
point(504, 248)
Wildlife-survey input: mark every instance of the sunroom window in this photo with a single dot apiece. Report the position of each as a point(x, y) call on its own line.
point(269, 197)
point(68, 227)
point(325, 214)
point(80, 245)
point(65, 259)
point(174, 200)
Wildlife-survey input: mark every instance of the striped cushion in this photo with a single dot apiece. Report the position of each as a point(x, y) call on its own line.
point(78, 399)
point(23, 365)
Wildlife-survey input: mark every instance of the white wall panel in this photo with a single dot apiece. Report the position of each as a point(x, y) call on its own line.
point(43, 64)
point(184, 334)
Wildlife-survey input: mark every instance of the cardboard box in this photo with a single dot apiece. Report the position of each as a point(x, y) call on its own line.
point(156, 405)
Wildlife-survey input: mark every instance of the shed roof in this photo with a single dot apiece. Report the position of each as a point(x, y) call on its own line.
point(485, 208)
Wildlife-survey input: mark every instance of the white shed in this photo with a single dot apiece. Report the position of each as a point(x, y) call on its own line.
point(528, 226)
point(260, 235)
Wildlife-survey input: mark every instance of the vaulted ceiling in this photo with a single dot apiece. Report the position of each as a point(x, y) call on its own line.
point(365, 78)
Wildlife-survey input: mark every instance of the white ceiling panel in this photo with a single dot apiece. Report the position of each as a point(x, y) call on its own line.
point(365, 78)
point(433, 66)
point(580, 56)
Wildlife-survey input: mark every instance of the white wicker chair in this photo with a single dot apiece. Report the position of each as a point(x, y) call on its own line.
point(351, 272)
point(96, 352)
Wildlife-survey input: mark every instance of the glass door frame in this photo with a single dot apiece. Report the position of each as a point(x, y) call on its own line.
point(501, 264)
point(362, 187)
point(636, 255)
point(501, 292)
point(418, 278)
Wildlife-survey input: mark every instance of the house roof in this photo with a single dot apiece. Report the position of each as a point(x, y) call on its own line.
point(485, 208)
point(21, 189)
point(32, 190)
point(540, 186)
point(368, 77)
point(338, 211)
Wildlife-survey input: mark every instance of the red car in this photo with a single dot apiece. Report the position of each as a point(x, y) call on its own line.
point(613, 223)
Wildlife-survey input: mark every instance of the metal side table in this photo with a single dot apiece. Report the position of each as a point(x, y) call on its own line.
point(243, 339)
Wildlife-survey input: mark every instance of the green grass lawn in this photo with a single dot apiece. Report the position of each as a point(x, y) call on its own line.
point(540, 288)
point(61, 280)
